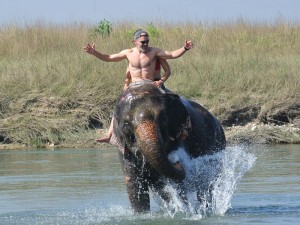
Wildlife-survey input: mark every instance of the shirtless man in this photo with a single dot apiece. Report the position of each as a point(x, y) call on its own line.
point(141, 58)
point(158, 81)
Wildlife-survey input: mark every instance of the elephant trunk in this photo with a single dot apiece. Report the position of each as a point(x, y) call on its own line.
point(151, 147)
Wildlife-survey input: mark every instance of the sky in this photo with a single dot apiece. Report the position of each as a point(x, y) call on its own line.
point(143, 11)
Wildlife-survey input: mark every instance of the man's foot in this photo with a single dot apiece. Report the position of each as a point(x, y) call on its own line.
point(105, 139)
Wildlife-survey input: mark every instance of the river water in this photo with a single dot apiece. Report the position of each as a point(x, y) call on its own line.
point(258, 185)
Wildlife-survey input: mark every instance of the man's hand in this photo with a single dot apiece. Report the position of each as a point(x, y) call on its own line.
point(188, 44)
point(90, 48)
point(158, 83)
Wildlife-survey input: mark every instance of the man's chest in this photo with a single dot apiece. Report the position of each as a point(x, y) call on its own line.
point(141, 60)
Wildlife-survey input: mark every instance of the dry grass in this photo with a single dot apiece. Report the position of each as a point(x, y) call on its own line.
point(232, 65)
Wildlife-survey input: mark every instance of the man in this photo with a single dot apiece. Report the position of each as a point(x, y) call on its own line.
point(158, 81)
point(141, 59)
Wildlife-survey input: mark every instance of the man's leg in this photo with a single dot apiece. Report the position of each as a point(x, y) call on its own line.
point(107, 137)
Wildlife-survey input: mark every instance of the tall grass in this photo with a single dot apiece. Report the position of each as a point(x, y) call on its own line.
point(232, 65)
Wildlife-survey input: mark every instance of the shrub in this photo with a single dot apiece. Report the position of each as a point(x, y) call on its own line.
point(152, 30)
point(104, 28)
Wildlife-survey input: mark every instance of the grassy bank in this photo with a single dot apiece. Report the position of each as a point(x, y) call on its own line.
point(52, 92)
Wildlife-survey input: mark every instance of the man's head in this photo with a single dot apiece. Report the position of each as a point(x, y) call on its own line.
point(139, 33)
point(141, 40)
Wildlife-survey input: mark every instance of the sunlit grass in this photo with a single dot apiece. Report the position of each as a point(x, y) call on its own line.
point(232, 65)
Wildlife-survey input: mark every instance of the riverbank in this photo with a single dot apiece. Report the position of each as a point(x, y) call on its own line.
point(259, 133)
point(251, 133)
point(36, 121)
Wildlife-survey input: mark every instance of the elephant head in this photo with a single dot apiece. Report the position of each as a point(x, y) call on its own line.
point(149, 124)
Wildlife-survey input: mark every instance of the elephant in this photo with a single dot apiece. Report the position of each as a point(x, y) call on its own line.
point(149, 124)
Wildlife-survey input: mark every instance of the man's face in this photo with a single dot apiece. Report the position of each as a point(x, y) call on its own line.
point(142, 43)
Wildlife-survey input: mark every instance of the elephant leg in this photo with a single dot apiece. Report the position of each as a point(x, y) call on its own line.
point(138, 194)
point(205, 197)
point(137, 188)
point(157, 186)
point(182, 194)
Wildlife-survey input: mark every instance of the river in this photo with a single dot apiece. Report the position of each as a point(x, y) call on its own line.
point(258, 185)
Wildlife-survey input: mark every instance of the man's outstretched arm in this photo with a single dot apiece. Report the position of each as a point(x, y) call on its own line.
point(176, 53)
point(90, 48)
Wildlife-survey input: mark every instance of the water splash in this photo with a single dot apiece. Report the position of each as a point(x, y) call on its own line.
point(209, 184)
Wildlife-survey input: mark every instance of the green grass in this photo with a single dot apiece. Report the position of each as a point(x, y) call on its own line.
point(232, 65)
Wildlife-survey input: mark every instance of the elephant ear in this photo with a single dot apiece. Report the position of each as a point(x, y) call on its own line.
point(179, 122)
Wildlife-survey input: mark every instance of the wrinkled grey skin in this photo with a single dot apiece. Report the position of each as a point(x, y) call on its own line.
point(149, 125)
